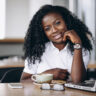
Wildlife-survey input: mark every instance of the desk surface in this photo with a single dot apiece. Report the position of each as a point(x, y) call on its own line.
point(33, 90)
point(12, 64)
point(92, 66)
point(10, 40)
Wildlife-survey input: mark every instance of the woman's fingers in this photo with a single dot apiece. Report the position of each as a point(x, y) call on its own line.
point(60, 73)
point(63, 76)
point(72, 36)
point(64, 71)
point(67, 35)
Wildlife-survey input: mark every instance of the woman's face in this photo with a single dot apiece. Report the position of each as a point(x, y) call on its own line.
point(54, 27)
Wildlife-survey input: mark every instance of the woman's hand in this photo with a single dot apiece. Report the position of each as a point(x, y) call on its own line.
point(58, 74)
point(72, 36)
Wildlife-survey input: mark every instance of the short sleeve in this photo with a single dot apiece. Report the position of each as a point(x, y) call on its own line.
point(30, 68)
point(86, 58)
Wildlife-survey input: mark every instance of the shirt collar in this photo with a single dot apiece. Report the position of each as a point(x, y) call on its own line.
point(52, 47)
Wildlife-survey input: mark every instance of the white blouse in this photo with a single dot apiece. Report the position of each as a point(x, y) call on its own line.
point(53, 58)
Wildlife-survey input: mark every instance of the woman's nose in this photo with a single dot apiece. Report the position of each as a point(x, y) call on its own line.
point(54, 29)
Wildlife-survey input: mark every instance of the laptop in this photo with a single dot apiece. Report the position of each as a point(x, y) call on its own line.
point(88, 85)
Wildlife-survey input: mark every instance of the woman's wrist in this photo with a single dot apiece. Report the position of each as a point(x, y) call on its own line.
point(77, 46)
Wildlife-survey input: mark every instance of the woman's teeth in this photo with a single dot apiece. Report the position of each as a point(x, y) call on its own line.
point(57, 36)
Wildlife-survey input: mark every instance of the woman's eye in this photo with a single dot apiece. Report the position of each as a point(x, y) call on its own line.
point(47, 28)
point(58, 22)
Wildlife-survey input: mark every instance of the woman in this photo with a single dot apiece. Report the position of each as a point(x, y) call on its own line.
point(57, 42)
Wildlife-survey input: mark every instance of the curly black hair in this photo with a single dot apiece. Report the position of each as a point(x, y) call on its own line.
point(35, 39)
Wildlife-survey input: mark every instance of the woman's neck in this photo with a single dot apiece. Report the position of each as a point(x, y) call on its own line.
point(60, 46)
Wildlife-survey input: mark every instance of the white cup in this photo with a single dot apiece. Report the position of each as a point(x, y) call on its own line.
point(42, 78)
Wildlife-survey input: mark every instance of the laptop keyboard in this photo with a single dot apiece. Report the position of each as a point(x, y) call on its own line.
point(87, 83)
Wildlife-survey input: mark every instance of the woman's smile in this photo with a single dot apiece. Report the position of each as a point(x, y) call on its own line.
point(57, 36)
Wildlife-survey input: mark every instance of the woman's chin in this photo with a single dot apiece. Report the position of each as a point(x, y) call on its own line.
point(58, 41)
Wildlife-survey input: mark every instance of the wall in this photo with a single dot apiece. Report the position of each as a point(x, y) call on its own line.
point(2, 18)
point(64, 3)
point(17, 18)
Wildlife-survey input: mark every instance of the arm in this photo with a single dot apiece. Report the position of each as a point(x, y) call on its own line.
point(58, 74)
point(27, 72)
point(78, 72)
point(25, 77)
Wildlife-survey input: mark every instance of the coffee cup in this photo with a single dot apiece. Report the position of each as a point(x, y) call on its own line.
point(42, 78)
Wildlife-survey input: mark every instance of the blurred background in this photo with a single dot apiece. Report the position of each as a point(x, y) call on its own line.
point(15, 16)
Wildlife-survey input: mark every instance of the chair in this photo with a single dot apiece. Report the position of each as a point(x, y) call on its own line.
point(11, 76)
point(91, 73)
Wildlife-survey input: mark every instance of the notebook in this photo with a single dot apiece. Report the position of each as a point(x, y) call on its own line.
point(88, 85)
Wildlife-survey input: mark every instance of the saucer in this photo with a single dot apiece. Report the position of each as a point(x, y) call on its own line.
point(52, 82)
point(58, 82)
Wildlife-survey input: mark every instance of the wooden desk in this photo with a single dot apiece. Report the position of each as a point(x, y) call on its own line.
point(10, 40)
point(33, 90)
point(12, 65)
point(92, 66)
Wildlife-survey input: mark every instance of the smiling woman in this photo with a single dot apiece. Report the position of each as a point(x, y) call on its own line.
point(55, 35)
